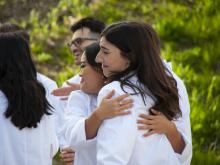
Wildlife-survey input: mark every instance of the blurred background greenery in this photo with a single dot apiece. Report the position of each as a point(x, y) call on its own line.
point(190, 35)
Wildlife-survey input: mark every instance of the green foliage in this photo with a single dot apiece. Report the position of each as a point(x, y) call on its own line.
point(190, 37)
point(205, 158)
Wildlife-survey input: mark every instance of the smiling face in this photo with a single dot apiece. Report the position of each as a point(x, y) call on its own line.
point(111, 59)
point(80, 39)
point(91, 80)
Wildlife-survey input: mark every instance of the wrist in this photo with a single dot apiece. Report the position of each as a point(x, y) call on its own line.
point(75, 87)
point(97, 115)
point(171, 129)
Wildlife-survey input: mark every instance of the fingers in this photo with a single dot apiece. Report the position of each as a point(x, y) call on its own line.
point(122, 113)
point(146, 127)
point(56, 92)
point(70, 84)
point(155, 112)
point(122, 97)
point(149, 133)
point(149, 128)
point(145, 122)
point(142, 127)
point(66, 159)
point(148, 117)
point(67, 155)
point(125, 107)
point(110, 94)
point(128, 101)
point(67, 150)
point(64, 91)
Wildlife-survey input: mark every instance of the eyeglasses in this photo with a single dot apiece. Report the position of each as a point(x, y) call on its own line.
point(78, 41)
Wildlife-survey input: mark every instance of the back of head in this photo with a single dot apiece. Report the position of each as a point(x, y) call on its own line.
point(91, 52)
point(139, 43)
point(26, 96)
point(7, 27)
point(94, 25)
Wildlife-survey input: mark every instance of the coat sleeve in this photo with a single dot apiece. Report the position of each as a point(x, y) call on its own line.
point(183, 124)
point(74, 121)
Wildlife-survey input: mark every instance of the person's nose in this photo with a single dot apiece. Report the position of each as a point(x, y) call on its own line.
point(98, 58)
point(73, 48)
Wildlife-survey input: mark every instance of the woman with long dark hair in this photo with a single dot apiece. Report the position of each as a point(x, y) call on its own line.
point(27, 126)
point(130, 58)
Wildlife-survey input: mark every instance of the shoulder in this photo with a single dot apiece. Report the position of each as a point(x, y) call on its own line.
point(3, 100)
point(78, 96)
point(75, 79)
point(46, 81)
point(113, 85)
point(2, 96)
point(180, 84)
point(168, 65)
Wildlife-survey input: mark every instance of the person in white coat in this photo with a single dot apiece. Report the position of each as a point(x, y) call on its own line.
point(27, 127)
point(47, 83)
point(85, 32)
point(82, 116)
point(130, 58)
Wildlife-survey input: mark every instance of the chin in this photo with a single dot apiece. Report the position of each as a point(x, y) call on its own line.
point(76, 63)
point(106, 74)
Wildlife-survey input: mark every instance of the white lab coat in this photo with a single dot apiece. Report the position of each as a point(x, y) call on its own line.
point(120, 143)
point(29, 146)
point(75, 79)
point(58, 111)
point(183, 124)
point(79, 107)
point(48, 84)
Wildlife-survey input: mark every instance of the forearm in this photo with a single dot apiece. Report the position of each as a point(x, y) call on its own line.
point(92, 125)
point(175, 138)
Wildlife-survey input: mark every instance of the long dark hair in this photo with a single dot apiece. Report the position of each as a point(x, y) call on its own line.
point(139, 44)
point(27, 102)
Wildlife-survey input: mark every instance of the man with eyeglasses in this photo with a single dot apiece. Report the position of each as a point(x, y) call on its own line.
point(85, 32)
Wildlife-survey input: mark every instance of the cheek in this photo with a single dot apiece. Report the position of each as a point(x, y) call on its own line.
point(89, 76)
point(109, 61)
point(115, 64)
point(122, 64)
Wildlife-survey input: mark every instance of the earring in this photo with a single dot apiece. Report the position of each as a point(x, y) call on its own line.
point(127, 64)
